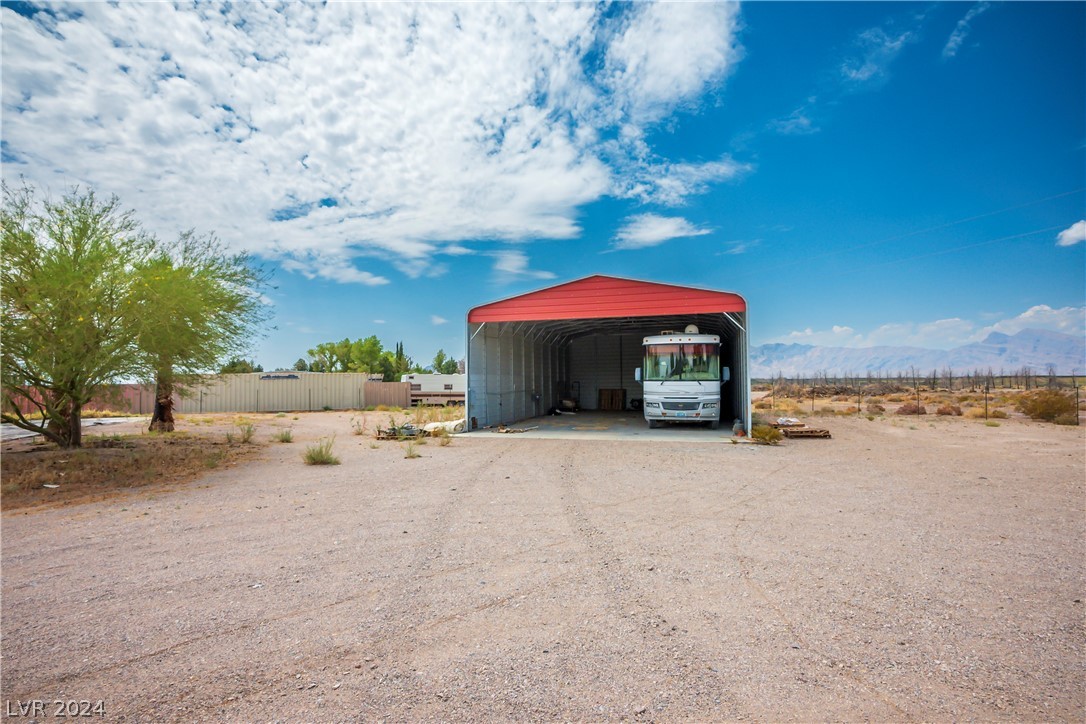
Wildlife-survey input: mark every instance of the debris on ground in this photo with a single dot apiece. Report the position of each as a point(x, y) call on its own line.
point(454, 426)
point(504, 429)
point(399, 432)
point(804, 431)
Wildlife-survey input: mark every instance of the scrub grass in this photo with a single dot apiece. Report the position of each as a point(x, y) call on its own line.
point(321, 453)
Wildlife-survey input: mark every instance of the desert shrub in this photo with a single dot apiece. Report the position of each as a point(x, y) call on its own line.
point(409, 450)
point(763, 405)
point(871, 418)
point(358, 425)
point(949, 410)
point(1047, 405)
point(991, 423)
point(895, 398)
point(245, 432)
point(284, 436)
point(321, 453)
point(766, 435)
point(875, 408)
point(1068, 418)
point(911, 408)
point(977, 413)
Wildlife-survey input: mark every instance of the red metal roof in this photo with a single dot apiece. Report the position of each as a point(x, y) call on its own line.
point(600, 297)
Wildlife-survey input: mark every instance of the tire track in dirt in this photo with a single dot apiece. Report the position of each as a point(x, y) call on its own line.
point(686, 662)
point(745, 566)
point(392, 596)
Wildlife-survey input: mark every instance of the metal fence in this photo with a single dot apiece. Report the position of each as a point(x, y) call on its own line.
point(260, 392)
point(289, 391)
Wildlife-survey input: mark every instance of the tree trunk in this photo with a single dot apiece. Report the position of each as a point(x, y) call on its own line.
point(162, 417)
point(75, 429)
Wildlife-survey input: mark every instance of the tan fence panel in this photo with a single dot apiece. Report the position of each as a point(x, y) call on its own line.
point(392, 394)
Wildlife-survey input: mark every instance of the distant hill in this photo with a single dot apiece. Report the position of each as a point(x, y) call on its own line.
point(1034, 348)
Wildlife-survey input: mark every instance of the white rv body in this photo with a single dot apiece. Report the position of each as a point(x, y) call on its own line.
point(432, 389)
point(682, 377)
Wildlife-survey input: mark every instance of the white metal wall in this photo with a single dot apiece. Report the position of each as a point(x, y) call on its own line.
point(513, 373)
point(274, 392)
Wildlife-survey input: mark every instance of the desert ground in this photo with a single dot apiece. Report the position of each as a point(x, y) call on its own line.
point(927, 569)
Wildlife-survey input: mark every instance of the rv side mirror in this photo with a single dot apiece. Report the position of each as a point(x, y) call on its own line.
point(637, 374)
point(725, 374)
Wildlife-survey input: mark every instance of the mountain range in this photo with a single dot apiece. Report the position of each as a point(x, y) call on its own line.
point(1033, 348)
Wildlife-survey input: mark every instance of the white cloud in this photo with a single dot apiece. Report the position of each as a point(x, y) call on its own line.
point(645, 230)
point(797, 123)
point(1072, 235)
point(327, 136)
point(961, 30)
point(739, 247)
point(833, 337)
point(943, 333)
point(877, 50)
point(940, 334)
point(436, 320)
point(1069, 320)
point(379, 321)
point(670, 183)
point(512, 265)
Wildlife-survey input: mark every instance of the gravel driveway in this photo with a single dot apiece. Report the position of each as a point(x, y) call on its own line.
point(890, 573)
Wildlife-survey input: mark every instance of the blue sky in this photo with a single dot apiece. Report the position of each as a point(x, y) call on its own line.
point(863, 173)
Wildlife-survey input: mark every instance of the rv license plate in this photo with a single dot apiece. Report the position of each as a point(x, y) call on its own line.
point(680, 414)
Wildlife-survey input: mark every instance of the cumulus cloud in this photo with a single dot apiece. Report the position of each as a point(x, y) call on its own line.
point(961, 30)
point(338, 136)
point(1074, 234)
point(645, 230)
point(943, 333)
point(1069, 320)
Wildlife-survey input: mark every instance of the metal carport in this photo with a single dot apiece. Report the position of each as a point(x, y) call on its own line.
point(571, 340)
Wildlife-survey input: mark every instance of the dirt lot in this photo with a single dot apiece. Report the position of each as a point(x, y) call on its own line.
point(904, 570)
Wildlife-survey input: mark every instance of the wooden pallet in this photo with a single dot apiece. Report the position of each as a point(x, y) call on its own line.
point(791, 432)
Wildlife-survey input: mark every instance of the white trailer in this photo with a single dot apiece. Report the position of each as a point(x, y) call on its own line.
point(682, 377)
point(430, 389)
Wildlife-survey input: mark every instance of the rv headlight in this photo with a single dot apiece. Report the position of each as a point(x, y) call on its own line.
point(652, 404)
point(709, 406)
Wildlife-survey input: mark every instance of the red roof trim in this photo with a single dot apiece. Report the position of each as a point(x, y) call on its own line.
point(602, 297)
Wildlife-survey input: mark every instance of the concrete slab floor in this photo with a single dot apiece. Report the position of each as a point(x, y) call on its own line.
point(597, 425)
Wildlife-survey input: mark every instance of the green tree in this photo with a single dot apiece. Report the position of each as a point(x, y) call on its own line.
point(443, 364)
point(366, 354)
point(301, 365)
point(330, 357)
point(240, 365)
point(67, 289)
point(196, 306)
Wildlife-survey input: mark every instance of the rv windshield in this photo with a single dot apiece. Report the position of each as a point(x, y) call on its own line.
point(682, 362)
